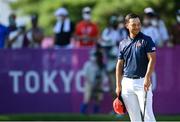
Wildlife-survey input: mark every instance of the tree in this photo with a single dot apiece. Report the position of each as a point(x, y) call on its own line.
point(101, 9)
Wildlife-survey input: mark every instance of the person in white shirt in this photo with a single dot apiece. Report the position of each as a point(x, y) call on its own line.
point(110, 38)
point(158, 23)
point(94, 74)
point(17, 38)
point(121, 28)
point(110, 35)
point(150, 30)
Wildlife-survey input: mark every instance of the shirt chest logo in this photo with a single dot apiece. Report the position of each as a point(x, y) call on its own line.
point(138, 44)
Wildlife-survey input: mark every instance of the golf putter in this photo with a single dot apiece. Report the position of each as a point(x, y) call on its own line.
point(145, 100)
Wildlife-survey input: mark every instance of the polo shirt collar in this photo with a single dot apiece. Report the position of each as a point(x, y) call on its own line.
point(139, 35)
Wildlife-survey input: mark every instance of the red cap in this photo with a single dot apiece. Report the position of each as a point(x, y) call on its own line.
point(119, 106)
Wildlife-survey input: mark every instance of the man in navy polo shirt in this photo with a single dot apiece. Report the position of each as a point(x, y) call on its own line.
point(134, 68)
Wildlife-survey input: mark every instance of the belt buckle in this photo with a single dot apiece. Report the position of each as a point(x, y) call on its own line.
point(136, 77)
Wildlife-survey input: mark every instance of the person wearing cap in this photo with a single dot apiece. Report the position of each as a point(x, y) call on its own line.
point(35, 34)
point(148, 10)
point(158, 23)
point(63, 29)
point(175, 30)
point(150, 30)
point(86, 33)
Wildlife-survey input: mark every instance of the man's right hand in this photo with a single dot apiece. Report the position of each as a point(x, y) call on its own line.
point(118, 90)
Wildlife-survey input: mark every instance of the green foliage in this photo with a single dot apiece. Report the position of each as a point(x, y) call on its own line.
point(101, 9)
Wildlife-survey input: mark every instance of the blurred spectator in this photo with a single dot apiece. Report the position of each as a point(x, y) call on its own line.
point(12, 23)
point(17, 39)
point(157, 22)
point(149, 29)
point(160, 24)
point(63, 29)
point(35, 33)
point(111, 35)
point(121, 28)
point(94, 74)
point(110, 38)
point(111, 59)
point(86, 32)
point(3, 35)
point(175, 30)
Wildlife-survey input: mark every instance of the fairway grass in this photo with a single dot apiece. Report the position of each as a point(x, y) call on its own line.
point(77, 117)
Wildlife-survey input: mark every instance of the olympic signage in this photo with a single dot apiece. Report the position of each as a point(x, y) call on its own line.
point(40, 81)
point(47, 77)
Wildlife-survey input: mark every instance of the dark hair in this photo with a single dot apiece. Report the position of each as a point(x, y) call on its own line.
point(34, 16)
point(130, 16)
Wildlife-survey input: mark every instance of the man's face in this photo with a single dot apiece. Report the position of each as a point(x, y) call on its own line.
point(12, 20)
point(61, 17)
point(86, 16)
point(134, 26)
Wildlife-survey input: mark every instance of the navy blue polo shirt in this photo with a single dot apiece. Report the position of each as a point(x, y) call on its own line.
point(134, 53)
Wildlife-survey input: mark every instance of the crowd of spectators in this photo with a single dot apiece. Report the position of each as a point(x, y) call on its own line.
point(85, 33)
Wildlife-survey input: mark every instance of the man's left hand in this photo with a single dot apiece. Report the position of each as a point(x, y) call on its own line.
point(147, 83)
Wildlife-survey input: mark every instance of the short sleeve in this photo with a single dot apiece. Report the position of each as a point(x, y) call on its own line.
point(78, 28)
point(94, 30)
point(150, 46)
point(12, 35)
point(120, 52)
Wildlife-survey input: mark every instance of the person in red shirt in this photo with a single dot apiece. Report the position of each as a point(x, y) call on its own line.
point(86, 33)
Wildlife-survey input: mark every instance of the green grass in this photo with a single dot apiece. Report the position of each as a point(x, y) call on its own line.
point(62, 117)
point(76, 117)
